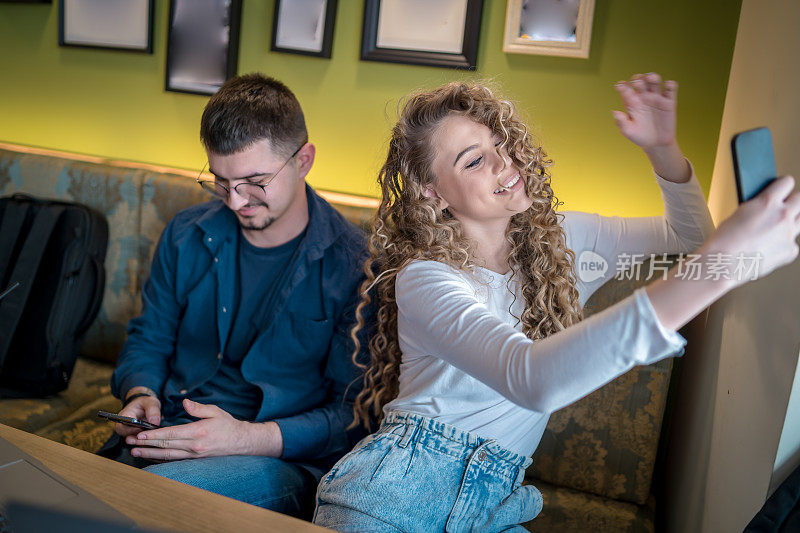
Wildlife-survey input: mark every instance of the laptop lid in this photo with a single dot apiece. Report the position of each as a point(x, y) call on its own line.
point(26, 480)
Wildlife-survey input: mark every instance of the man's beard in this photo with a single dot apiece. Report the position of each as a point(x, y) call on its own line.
point(256, 227)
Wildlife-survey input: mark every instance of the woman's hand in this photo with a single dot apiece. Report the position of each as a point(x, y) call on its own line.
point(761, 236)
point(649, 117)
point(649, 121)
point(763, 229)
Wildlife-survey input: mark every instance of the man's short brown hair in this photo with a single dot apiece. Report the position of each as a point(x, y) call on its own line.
point(249, 108)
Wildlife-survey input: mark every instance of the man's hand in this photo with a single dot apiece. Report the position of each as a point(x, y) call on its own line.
point(144, 408)
point(218, 433)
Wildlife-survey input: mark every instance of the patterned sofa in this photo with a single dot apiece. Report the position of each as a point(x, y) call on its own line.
point(596, 461)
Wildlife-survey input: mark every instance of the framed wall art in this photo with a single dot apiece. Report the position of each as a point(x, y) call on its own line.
point(420, 32)
point(549, 27)
point(303, 27)
point(114, 24)
point(202, 44)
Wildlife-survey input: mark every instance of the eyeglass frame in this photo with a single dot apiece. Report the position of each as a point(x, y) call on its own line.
point(262, 185)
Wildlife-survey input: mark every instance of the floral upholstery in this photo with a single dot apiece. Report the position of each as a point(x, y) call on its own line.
point(83, 429)
point(572, 511)
point(163, 195)
point(360, 216)
point(90, 380)
point(606, 443)
point(594, 465)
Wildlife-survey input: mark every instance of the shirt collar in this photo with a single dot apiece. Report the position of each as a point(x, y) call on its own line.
point(219, 224)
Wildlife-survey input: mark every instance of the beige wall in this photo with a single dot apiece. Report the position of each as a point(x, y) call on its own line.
point(733, 409)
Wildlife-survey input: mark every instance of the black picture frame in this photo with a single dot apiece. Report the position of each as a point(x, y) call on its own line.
point(466, 60)
point(147, 49)
point(327, 32)
point(178, 53)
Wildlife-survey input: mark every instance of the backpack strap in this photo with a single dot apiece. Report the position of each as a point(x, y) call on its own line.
point(10, 229)
point(97, 299)
point(25, 269)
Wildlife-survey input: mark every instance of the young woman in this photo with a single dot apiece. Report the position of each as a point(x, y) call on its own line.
point(480, 333)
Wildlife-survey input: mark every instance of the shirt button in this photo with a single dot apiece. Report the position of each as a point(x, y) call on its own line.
point(216, 259)
point(184, 391)
point(219, 356)
point(209, 239)
point(224, 309)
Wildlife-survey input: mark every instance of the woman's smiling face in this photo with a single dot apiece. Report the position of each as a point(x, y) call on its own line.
point(472, 181)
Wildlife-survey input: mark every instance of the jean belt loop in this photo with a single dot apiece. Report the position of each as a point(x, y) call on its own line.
point(520, 476)
point(409, 432)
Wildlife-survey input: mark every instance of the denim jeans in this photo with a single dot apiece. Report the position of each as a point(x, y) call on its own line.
point(417, 474)
point(263, 481)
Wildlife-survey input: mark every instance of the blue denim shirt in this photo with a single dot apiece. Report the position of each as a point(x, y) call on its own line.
point(301, 356)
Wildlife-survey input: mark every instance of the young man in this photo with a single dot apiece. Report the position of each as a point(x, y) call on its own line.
point(242, 349)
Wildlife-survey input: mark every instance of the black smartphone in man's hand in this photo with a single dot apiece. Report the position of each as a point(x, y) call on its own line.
point(753, 162)
point(127, 420)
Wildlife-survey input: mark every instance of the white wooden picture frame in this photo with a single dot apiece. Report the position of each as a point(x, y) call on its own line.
point(549, 27)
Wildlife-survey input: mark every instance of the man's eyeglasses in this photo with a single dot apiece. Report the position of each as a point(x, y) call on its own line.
point(246, 189)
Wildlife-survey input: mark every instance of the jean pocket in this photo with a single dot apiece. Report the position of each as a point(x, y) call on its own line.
point(522, 505)
point(355, 457)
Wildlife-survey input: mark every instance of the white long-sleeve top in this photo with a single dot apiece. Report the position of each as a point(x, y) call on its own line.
point(466, 362)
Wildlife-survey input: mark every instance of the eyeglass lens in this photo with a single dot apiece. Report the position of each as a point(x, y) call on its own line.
point(246, 190)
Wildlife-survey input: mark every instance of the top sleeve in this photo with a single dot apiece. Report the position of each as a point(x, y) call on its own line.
point(624, 241)
point(438, 309)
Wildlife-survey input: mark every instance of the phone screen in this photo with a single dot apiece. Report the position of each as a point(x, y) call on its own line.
point(753, 162)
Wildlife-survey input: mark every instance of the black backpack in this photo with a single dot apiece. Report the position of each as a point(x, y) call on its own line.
point(51, 287)
point(781, 512)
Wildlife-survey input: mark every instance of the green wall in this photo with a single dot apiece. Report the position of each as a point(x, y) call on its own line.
point(113, 104)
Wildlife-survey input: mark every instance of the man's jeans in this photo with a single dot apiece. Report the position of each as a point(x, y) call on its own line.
point(263, 481)
point(268, 482)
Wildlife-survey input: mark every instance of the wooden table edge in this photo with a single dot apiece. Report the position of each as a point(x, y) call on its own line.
point(150, 500)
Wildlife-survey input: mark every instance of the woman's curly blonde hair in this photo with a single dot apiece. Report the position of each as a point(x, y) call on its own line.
point(408, 226)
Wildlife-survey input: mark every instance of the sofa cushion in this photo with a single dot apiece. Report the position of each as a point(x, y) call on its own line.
point(571, 511)
point(360, 216)
point(606, 443)
point(90, 380)
point(113, 191)
point(163, 196)
point(83, 429)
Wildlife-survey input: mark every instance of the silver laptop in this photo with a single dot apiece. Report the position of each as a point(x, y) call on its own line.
point(25, 480)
